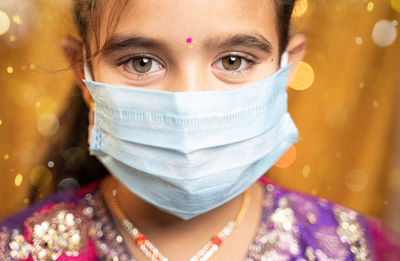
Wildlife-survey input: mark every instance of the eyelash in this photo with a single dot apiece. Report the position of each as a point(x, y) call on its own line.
point(138, 75)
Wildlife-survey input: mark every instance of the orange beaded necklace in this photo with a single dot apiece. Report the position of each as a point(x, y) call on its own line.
point(205, 253)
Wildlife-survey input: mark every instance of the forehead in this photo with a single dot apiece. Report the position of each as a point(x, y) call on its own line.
point(177, 20)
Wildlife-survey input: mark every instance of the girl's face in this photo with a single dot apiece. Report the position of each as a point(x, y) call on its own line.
point(189, 45)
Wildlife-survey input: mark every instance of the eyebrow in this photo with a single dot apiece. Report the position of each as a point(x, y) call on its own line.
point(123, 42)
point(256, 41)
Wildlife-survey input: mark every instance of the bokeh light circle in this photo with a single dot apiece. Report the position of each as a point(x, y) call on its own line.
point(68, 184)
point(4, 23)
point(370, 6)
point(17, 19)
point(50, 164)
point(384, 33)
point(287, 159)
point(359, 40)
point(10, 69)
point(47, 124)
point(306, 171)
point(356, 180)
point(303, 77)
point(18, 180)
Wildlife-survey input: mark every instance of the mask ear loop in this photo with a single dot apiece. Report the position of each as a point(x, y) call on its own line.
point(88, 77)
point(86, 71)
point(87, 74)
point(284, 59)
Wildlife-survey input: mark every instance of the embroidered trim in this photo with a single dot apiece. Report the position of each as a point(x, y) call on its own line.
point(278, 237)
point(56, 230)
point(351, 232)
point(4, 239)
point(108, 242)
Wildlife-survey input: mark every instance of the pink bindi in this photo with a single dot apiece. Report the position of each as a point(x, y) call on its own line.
point(189, 42)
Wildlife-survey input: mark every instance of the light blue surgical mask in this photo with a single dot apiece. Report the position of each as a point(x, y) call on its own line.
point(189, 152)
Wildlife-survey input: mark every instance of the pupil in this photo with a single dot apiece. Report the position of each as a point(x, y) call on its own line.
point(142, 65)
point(232, 60)
point(144, 61)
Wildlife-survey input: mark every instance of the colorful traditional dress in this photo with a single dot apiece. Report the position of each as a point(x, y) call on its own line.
point(78, 225)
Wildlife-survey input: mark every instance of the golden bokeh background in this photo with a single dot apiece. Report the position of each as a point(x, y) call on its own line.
point(345, 101)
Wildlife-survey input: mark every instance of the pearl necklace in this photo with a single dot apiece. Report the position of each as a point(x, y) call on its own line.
point(205, 253)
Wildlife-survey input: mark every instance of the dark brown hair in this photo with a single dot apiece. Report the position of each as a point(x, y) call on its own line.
point(88, 15)
point(69, 148)
point(284, 9)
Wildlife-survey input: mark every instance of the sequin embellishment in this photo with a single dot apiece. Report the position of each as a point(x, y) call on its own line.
point(351, 232)
point(59, 230)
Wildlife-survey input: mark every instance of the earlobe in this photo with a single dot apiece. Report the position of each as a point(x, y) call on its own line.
point(72, 48)
point(296, 48)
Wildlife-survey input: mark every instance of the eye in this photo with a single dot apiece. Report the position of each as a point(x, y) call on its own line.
point(233, 63)
point(141, 65)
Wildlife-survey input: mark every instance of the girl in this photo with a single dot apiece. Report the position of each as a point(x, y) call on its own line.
point(188, 110)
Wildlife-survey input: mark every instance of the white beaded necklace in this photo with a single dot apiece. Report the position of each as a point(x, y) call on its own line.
point(205, 253)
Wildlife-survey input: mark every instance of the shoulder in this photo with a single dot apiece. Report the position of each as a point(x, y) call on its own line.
point(313, 228)
point(52, 227)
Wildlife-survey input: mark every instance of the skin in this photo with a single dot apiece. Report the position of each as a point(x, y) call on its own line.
point(178, 68)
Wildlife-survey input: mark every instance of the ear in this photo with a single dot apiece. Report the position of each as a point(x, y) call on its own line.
point(296, 48)
point(73, 52)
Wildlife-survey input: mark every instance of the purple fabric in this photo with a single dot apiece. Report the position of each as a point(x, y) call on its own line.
point(294, 225)
point(17, 219)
